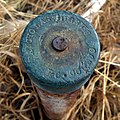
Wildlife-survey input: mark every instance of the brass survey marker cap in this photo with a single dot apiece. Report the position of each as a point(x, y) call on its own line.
point(60, 51)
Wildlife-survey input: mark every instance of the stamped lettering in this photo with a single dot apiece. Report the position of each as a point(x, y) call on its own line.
point(92, 50)
point(51, 72)
point(32, 31)
point(72, 20)
point(29, 38)
point(46, 18)
point(37, 26)
point(41, 38)
point(87, 62)
point(78, 59)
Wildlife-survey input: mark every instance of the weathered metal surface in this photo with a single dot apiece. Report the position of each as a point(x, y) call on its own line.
point(59, 50)
point(56, 106)
point(63, 67)
point(60, 43)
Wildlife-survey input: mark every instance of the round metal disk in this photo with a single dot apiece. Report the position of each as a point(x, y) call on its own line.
point(59, 50)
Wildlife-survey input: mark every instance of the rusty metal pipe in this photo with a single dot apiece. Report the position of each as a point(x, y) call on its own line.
point(57, 105)
point(59, 50)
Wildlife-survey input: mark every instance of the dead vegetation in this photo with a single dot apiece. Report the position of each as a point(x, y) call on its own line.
point(99, 100)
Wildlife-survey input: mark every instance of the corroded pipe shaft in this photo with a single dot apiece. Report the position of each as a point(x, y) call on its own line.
point(59, 50)
point(55, 105)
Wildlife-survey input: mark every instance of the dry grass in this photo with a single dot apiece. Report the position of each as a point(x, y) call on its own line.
point(99, 100)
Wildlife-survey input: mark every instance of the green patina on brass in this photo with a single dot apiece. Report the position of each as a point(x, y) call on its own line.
point(60, 51)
